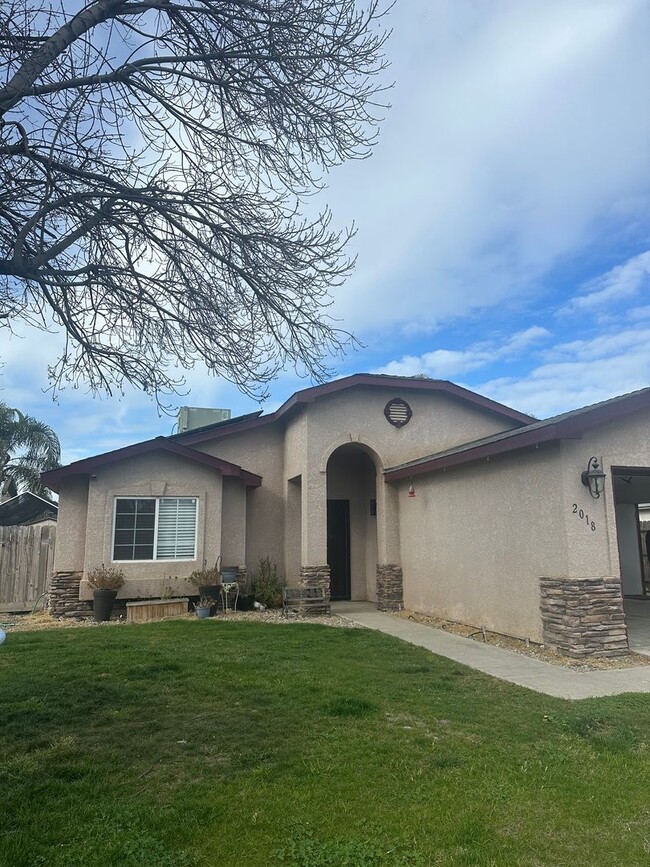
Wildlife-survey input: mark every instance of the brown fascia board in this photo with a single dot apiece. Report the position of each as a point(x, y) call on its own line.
point(521, 440)
point(88, 465)
point(380, 380)
point(571, 426)
point(372, 380)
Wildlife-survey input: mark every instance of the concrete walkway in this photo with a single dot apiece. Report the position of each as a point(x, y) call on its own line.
point(505, 664)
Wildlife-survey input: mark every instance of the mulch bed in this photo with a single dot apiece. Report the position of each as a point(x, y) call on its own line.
point(527, 648)
point(42, 620)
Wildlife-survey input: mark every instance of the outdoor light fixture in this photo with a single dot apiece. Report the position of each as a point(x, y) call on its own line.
point(594, 478)
point(411, 490)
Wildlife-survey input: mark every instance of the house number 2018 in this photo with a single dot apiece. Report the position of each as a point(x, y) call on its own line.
point(583, 517)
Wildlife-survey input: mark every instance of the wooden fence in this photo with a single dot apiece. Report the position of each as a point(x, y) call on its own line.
point(26, 562)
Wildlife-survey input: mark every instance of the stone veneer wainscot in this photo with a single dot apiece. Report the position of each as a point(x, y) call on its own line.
point(390, 592)
point(315, 576)
point(64, 596)
point(584, 616)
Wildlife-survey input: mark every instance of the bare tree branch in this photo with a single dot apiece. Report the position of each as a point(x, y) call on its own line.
point(155, 156)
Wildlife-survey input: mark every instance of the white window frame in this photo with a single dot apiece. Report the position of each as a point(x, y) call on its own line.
point(155, 528)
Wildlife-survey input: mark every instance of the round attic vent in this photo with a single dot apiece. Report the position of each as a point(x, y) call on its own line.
point(398, 412)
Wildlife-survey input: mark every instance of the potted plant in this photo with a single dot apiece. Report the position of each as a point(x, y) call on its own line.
point(204, 606)
point(105, 583)
point(208, 583)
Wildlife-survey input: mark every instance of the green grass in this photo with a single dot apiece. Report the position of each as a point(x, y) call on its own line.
point(211, 743)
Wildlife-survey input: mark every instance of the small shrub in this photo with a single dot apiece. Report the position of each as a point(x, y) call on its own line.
point(101, 578)
point(267, 584)
point(206, 577)
point(169, 590)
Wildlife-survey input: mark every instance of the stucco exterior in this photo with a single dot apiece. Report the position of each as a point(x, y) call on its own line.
point(154, 475)
point(478, 538)
point(475, 541)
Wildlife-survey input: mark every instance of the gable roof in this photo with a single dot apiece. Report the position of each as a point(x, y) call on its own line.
point(88, 465)
point(26, 508)
point(371, 380)
point(567, 425)
point(180, 443)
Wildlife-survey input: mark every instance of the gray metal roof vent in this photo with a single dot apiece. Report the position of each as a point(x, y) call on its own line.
point(191, 417)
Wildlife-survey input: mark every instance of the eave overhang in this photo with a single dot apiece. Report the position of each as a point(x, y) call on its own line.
point(88, 466)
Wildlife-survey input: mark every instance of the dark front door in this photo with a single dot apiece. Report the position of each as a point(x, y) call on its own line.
point(338, 547)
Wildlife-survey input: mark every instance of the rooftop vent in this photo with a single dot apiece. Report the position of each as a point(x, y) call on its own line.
point(191, 417)
point(398, 412)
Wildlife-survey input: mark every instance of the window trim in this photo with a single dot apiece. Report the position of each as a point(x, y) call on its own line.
point(155, 530)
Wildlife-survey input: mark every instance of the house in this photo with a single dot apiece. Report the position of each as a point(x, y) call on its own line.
point(399, 490)
point(27, 508)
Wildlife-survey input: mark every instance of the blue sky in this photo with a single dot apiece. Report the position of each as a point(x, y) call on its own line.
point(503, 222)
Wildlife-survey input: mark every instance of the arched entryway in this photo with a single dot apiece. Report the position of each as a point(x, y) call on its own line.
point(352, 522)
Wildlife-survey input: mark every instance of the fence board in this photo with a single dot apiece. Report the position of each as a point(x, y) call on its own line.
point(26, 562)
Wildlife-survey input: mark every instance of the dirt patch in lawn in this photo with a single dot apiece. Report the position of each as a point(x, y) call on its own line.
point(527, 648)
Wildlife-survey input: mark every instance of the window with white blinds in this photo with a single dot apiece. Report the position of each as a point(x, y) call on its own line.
point(155, 528)
point(176, 536)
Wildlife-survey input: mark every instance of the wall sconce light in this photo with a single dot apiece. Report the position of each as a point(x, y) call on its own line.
point(411, 490)
point(594, 478)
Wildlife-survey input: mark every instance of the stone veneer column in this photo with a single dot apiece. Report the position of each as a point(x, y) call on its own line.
point(583, 617)
point(316, 576)
point(390, 587)
point(64, 596)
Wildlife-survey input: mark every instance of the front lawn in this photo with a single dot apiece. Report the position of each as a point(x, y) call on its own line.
point(212, 743)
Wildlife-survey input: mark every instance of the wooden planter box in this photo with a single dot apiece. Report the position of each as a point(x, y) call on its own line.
point(155, 609)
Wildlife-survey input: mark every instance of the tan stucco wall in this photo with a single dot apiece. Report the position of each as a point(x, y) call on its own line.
point(157, 474)
point(259, 451)
point(301, 448)
point(357, 416)
point(233, 523)
point(624, 442)
point(293, 531)
point(439, 422)
point(475, 541)
point(71, 525)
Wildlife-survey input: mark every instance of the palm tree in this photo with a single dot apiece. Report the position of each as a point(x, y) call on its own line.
point(28, 447)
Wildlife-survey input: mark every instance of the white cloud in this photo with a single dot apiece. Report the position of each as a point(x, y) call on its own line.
point(622, 282)
point(600, 346)
point(582, 373)
point(445, 363)
point(639, 313)
point(515, 129)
